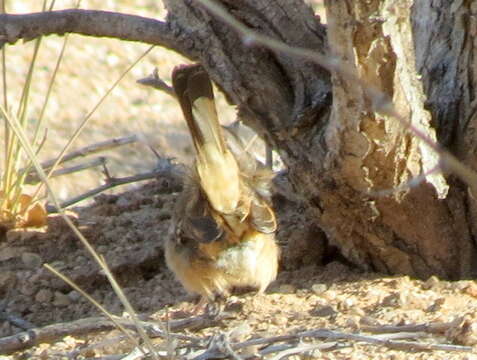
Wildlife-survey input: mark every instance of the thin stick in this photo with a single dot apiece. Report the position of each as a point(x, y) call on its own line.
point(157, 83)
point(16, 320)
point(433, 328)
point(91, 149)
point(111, 183)
point(55, 332)
point(384, 340)
point(99, 161)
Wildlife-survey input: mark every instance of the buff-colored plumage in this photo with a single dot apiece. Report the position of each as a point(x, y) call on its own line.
point(224, 226)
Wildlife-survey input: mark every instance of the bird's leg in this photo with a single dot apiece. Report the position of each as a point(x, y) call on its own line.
point(201, 305)
point(215, 307)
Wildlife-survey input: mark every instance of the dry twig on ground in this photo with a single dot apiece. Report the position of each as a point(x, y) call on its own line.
point(221, 345)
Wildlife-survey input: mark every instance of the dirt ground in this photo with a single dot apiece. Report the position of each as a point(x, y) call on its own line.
point(129, 230)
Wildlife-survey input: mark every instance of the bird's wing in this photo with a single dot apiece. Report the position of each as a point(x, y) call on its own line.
point(197, 220)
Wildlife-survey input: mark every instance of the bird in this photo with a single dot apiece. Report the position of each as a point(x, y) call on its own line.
point(223, 230)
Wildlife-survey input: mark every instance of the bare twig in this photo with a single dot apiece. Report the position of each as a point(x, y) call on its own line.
point(52, 333)
point(93, 148)
point(157, 83)
point(433, 328)
point(112, 182)
point(55, 332)
point(86, 22)
point(219, 347)
point(16, 320)
point(107, 174)
point(33, 178)
point(385, 340)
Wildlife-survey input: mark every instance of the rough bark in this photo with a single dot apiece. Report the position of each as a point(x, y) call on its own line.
point(398, 46)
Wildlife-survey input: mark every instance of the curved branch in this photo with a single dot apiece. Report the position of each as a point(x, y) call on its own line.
point(14, 27)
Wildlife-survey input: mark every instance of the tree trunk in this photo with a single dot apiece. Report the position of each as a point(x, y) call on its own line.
point(339, 153)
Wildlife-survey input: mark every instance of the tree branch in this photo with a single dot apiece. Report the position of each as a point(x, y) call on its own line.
point(85, 22)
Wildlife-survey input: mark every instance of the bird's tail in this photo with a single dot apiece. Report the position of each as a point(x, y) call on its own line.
point(217, 168)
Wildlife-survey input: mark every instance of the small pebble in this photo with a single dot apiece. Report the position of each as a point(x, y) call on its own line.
point(318, 288)
point(7, 279)
point(61, 299)
point(346, 304)
point(369, 321)
point(430, 283)
point(279, 320)
point(7, 253)
point(286, 289)
point(353, 322)
point(44, 296)
point(471, 289)
point(31, 260)
point(28, 288)
point(323, 311)
point(74, 295)
point(329, 295)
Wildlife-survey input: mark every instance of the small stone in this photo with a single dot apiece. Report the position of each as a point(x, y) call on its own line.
point(7, 253)
point(7, 279)
point(368, 321)
point(279, 320)
point(44, 296)
point(74, 295)
point(471, 289)
point(346, 304)
point(319, 288)
point(458, 285)
point(286, 289)
point(357, 311)
point(392, 300)
point(31, 260)
point(430, 283)
point(28, 288)
point(102, 249)
point(323, 311)
point(466, 333)
point(353, 322)
point(329, 295)
point(61, 299)
point(436, 305)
